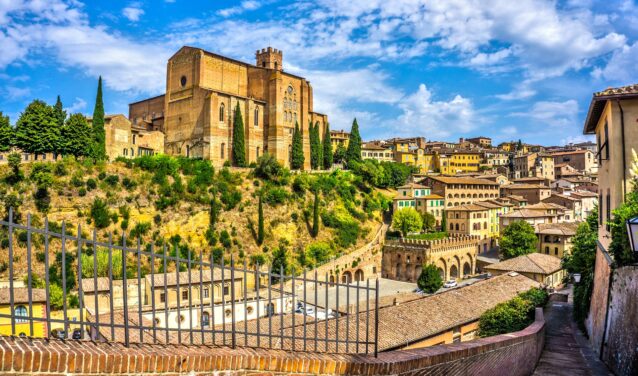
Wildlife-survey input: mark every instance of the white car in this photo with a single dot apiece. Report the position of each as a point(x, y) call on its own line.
point(450, 283)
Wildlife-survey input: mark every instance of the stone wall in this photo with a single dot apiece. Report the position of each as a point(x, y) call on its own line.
point(517, 353)
point(620, 352)
point(595, 322)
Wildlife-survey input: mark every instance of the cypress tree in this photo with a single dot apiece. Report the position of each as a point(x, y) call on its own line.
point(443, 221)
point(313, 146)
point(315, 216)
point(6, 133)
point(99, 136)
point(260, 223)
point(36, 130)
point(327, 148)
point(239, 147)
point(60, 115)
point(76, 136)
point(213, 213)
point(353, 153)
point(318, 146)
point(297, 157)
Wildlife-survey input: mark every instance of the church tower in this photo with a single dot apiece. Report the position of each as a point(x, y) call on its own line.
point(271, 58)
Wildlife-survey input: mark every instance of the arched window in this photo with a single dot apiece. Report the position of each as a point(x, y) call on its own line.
point(222, 151)
point(20, 312)
point(222, 112)
point(205, 319)
point(257, 117)
point(457, 227)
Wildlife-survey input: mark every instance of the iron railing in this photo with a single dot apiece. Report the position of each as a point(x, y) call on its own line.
point(155, 297)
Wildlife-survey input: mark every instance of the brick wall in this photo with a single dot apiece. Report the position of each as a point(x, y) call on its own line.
point(595, 322)
point(515, 352)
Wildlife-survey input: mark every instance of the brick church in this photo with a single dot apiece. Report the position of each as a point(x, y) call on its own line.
point(202, 91)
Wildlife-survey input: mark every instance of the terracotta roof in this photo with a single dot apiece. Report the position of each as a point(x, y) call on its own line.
point(526, 213)
point(371, 146)
point(516, 198)
point(545, 206)
point(102, 284)
point(171, 278)
point(413, 321)
point(570, 152)
point(629, 89)
point(525, 186)
point(461, 180)
point(21, 295)
point(599, 100)
point(583, 194)
point(568, 229)
point(414, 186)
point(532, 263)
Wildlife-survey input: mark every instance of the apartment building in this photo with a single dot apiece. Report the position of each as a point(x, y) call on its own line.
point(534, 165)
point(533, 193)
point(555, 238)
point(570, 202)
point(581, 160)
point(420, 197)
point(479, 219)
point(484, 142)
point(374, 151)
point(462, 190)
point(339, 137)
point(454, 161)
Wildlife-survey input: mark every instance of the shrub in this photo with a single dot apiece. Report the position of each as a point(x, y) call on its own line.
point(157, 219)
point(60, 169)
point(224, 238)
point(102, 258)
point(275, 196)
point(317, 253)
point(513, 315)
point(140, 229)
point(82, 192)
point(100, 213)
point(91, 184)
point(77, 181)
point(430, 280)
point(230, 199)
point(101, 175)
point(128, 183)
point(112, 180)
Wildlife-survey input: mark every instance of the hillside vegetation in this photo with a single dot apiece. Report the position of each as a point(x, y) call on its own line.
point(184, 205)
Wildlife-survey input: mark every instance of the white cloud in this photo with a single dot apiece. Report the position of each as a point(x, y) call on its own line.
point(78, 105)
point(622, 67)
point(552, 113)
point(435, 119)
point(133, 12)
point(14, 93)
point(245, 5)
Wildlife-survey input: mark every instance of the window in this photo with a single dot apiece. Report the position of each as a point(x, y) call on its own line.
point(206, 292)
point(222, 151)
point(20, 312)
point(608, 209)
point(205, 319)
point(547, 250)
point(256, 117)
point(183, 81)
point(185, 294)
point(162, 298)
point(222, 112)
point(257, 152)
point(226, 289)
point(556, 251)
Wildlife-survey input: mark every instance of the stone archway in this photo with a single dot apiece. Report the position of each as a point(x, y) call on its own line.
point(441, 265)
point(346, 278)
point(467, 269)
point(358, 275)
point(397, 272)
point(441, 273)
point(332, 279)
point(454, 272)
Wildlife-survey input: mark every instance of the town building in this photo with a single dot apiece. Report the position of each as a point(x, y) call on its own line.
point(420, 197)
point(539, 267)
point(581, 160)
point(572, 203)
point(556, 238)
point(563, 170)
point(339, 138)
point(532, 180)
point(123, 139)
point(484, 142)
point(533, 193)
point(454, 257)
point(533, 217)
point(481, 219)
point(533, 165)
point(379, 153)
point(497, 178)
point(496, 158)
point(22, 311)
point(454, 161)
point(462, 190)
point(203, 91)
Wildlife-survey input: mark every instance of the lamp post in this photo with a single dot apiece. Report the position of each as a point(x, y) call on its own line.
point(576, 277)
point(632, 232)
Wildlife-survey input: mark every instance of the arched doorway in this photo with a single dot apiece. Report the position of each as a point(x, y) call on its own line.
point(467, 269)
point(441, 273)
point(205, 319)
point(397, 273)
point(358, 275)
point(346, 278)
point(332, 279)
point(454, 272)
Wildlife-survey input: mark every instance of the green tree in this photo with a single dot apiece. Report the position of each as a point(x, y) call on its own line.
point(430, 280)
point(513, 315)
point(327, 149)
point(37, 130)
point(443, 221)
point(314, 156)
point(239, 144)
point(260, 223)
point(60, 116)
point(77, 136)
point(14, 161)
point(339, 155)
point(353, 153)
point(315, 215)
point(620, 247)
point(279, 260)
point(6, 133)
point(407, 220)
point(98, 144)
point(268, 168)
point(100, 213)
point(519, 238)
point(428, 221)
point(297, 157)
point(519, 145)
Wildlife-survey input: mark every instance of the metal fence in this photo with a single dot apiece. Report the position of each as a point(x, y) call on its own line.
point(125, 293)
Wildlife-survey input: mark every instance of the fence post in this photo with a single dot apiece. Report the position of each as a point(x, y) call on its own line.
point(125, 292)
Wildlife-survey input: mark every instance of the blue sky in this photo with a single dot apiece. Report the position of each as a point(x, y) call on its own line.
point(440, 69)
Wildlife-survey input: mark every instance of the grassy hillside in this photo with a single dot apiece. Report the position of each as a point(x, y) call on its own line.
point(168, 202)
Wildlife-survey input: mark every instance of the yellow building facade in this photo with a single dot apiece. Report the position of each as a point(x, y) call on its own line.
point(22, 312)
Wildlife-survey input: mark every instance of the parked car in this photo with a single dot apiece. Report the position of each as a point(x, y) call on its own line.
point(310, 311)
point(450, 283)
point(58, 333)
point(77, 334)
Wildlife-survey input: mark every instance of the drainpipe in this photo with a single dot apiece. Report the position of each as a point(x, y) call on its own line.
point(624, 162)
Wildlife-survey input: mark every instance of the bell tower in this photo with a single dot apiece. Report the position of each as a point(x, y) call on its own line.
point(270, 58)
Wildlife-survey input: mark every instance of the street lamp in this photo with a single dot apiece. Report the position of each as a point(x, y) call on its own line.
point(576, 277)
point(632, 231)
